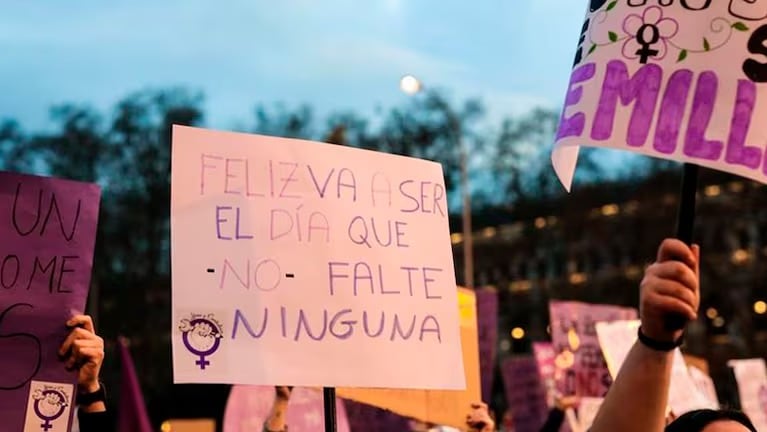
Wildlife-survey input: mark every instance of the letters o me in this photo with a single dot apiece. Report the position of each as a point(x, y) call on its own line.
point(267, 275)
point(15, 271)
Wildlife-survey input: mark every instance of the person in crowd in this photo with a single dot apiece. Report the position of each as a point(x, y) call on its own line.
point(83, 350)
point(277, 419)
point(557, 414)
point(637, 400)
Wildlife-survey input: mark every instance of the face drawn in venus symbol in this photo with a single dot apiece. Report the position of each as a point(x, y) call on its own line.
point(49, 405)
point(201, 337)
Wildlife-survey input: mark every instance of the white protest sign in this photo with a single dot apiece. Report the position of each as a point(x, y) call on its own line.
point(705, 385)
point(681, 80)
point(752, 386)
point(618, 337)
point(309, 264)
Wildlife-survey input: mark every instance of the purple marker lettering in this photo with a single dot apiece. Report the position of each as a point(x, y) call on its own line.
point(239, 317)
point(409, 270)
point(397, 329)
point(288, 180)
point(362, 272)
point(54, 206)
point(203, 165)
point(320, 191)
point(435, 329)
point(227, 176)
point(320, 224)
point(427, 280)
point(424, 195)
point(696, 145)
point(244, 282)
point(248, 193)
point(642, 89)
point(302, 320)
point(388, 239)
point(348, 323)
point(274, 221)
point(439, 195)
point(574, 125)
point(408, 196)
point(351, 183)
point(399, 229)
point(384, 189)
point(220, 220)
point(237, 234)
point(381, 323)
point(284, 316)
point(333, 276)
point(25, 216)
point(271, 179)
point(264, 283)
point(738, 153)
point(672, 110)
point(381, 282)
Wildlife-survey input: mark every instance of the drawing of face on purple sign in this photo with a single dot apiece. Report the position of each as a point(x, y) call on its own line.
point(683, 80)
point(202, 336)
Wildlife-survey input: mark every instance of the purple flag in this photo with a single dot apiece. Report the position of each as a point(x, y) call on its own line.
point(48, 230)
point(525, 393)
point(367, 418)
point(132, 415)
point(487, 330)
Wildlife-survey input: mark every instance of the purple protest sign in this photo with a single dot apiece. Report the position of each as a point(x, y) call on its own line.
point(48, 227)
point(363, 417)
point(544, 357)
point(580, 366)
point(525, 393)
point(487, 332)
point(249, 406)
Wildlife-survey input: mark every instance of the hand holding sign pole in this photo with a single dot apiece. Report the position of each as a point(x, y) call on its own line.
point(670, 80)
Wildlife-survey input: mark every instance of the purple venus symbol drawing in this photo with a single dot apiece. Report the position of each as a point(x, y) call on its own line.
point(202, 336)
point(49, 405)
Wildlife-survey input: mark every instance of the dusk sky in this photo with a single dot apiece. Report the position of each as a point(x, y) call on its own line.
point(331, 54)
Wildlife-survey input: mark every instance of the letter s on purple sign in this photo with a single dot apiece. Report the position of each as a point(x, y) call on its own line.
point(574, 125)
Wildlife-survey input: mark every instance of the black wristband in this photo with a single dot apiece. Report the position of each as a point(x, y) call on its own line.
point(659, 345)
point(86, 399)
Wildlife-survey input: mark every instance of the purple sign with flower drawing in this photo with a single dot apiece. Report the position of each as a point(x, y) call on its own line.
point(683, 80)
point(48, 227)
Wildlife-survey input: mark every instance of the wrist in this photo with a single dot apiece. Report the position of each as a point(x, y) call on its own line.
point(661, 344)
point(88, 387)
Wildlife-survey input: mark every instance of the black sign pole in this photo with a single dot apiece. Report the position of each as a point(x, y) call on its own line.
point(329, 401)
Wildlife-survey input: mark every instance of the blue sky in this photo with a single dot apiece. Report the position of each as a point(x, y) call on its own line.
point(332, 54)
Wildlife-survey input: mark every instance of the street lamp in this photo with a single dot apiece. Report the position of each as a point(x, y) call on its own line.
point(411, 85)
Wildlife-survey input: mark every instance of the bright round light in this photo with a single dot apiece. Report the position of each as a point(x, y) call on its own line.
point(165, 427)
point(517, 333)
point(760, 307)
point(410, 84)
point(718, 322)
point(712, 313)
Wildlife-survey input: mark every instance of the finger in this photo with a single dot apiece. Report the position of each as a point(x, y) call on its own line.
point(75, 334)
point(677, 272)
point(696, 252)
point(673, 305)
point(84, 353)
point(83, 321)
point(673, 249)
point(679, 292)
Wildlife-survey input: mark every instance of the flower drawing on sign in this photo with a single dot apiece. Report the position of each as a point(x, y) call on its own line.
point(648, 34)
point(202, 336)
point(50, 403)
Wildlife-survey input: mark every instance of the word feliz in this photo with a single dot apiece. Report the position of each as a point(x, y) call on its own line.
point(668, 111)
point(291, 180)
point(752, 10)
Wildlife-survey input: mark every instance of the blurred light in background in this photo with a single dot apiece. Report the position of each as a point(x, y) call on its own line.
point(712, 191)
point(610, 210)
point(740, 256)
point(718, 322)
point(410, 84)
point(517, 333)
point(712, 313)
point(760, 307)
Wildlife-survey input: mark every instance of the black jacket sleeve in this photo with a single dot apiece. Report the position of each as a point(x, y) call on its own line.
point(553, 422)
point(93, 422)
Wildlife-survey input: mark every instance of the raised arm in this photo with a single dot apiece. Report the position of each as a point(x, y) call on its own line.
point(277, 420)
point(638, 398)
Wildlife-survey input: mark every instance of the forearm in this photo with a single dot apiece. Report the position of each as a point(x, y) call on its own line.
point(637, 400)
point(277, 420)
